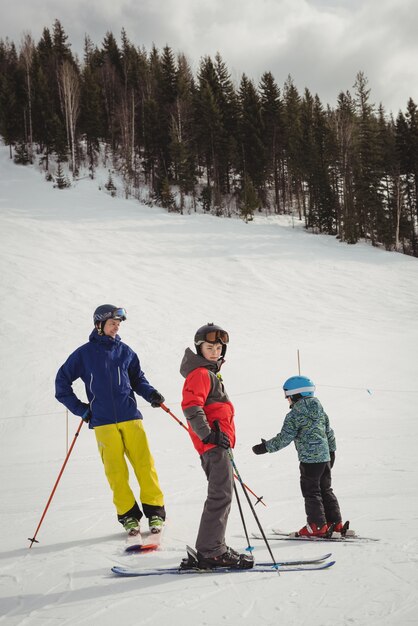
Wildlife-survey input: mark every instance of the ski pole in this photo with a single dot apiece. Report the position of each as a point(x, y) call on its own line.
point(33, 539)
point(249, 548)
point(258, 498)
point(231, 456)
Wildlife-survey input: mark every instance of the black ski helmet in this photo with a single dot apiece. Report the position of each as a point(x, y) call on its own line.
point(212, 334)
point(106, 312)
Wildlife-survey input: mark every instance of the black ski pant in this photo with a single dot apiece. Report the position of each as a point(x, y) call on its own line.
point(321, 504)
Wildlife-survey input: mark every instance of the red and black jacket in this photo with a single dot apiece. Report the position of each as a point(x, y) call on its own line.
point(205, 400)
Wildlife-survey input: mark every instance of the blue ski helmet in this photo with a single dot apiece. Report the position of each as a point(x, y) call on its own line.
point(301, 385)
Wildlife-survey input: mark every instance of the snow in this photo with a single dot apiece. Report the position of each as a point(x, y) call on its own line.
point(351, 311)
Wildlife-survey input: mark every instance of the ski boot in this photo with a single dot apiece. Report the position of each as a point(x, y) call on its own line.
point(312, 530)
point(229, 559)
point(156, 524)
point(131, 525)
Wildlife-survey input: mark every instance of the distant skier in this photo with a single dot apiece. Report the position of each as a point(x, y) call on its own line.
point(112, 373)
point(307, 425)
point(210, 417)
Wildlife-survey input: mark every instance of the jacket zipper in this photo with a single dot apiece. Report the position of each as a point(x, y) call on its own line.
point(91, 390)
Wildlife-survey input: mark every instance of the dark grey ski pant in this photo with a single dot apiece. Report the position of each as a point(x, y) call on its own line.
point(217, 466)
point(321, 504)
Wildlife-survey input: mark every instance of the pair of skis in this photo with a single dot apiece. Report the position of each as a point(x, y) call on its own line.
point(135, 542)
point(290, 565)
point(348, 536)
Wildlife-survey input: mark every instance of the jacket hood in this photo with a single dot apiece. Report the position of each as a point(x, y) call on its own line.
point(191, 361)
point(104, 340)
point(310, 404)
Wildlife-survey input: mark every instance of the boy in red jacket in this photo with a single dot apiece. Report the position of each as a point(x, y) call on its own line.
point(210, 419)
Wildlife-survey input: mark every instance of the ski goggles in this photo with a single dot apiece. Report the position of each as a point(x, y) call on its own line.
point(214, 336)
point(118, 314)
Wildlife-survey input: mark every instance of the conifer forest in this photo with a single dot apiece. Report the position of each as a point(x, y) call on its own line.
point(182, 139)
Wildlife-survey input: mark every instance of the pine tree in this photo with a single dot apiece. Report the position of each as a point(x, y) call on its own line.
point(92, 123)
point(61, 181)
point(366, 173)
point(253, 154)
point(227, 100)
point(407, 142)
point(249, 201)
point(22, 156)
point(166, 197)
point(110, 186)
point(111, 75)
point(61, 49)
point(347, 223)
point(130, 102)
point(315, 162)
point(27, 52)
point(388, 219)
point(293, 146)
point(209, 127)
point(10, 120)
point(49, 124)
point(166, 86)
point(273, 134)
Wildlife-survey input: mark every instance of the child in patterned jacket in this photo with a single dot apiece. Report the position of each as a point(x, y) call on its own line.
point(308, 426)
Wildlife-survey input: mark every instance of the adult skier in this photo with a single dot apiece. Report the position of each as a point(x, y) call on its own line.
point(111, 373)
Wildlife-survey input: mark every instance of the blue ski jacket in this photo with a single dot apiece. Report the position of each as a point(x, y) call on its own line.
point(307, 425)
point(111, 372)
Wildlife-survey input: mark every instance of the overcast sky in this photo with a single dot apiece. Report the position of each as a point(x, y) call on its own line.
point(322, 44)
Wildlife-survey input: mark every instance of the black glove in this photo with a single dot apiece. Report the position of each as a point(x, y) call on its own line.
point(86, 417)
point(156, 399)
point(332, 461)
point(260, 448)
point(219, 438)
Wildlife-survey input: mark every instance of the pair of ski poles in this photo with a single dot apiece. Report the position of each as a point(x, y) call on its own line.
point(245, 488)
point(237, 476)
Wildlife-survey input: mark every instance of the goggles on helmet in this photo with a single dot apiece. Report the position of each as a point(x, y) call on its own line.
point(118, 314)
point(214, 336)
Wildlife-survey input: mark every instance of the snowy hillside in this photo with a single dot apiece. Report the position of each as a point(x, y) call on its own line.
point(352, 313)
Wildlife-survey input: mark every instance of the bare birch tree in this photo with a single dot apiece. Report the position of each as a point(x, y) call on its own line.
point(69, 83)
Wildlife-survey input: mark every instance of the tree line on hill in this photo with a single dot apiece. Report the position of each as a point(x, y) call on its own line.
point(349, 171)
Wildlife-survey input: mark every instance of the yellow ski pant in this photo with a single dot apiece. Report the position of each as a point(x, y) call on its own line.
point(128, 439)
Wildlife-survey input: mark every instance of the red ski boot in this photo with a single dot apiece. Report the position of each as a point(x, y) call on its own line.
point(312, 530)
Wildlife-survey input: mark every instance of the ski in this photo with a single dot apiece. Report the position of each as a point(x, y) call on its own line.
point(346, 534)
point(336, 537)
point(142, 547)
point(136, 543)
point(305, 561)
point(260, 568)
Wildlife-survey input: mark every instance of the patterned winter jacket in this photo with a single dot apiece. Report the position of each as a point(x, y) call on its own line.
point(307, 425)
point(111, 372)
point(205, 400)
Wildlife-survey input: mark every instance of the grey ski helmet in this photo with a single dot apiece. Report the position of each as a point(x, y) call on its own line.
point(212, 334)
point(106, 312)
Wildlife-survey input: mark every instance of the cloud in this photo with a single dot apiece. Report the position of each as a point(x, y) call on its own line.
point(321, 43)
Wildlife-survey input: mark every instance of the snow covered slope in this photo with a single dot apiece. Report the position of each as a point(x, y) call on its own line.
point(352, 313)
